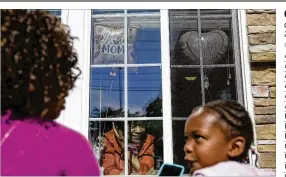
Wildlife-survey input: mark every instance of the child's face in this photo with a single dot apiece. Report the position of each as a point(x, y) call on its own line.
point(206, 144)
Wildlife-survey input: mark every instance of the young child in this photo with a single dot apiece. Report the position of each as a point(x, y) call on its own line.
point(218, 137)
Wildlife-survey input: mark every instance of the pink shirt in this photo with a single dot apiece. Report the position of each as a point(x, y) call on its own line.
point(45, 149)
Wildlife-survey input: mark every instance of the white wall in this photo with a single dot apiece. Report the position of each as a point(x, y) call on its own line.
point(75, 116)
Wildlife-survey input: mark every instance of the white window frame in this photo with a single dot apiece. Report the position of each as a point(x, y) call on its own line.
point(246, 75)
point(76, 115)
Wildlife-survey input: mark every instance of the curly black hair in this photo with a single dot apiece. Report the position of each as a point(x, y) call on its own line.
point(237, 120)
point(38, 64)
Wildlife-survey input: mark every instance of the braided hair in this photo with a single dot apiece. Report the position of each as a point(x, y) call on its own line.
point(38, 64)
point(237, 120)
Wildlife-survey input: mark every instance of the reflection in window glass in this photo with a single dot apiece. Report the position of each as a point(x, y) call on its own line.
point(144, 92)
point(144, 40)
point(106, 92)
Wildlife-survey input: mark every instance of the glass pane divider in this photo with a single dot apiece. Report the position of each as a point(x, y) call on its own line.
point(201, 57)
point(126, 169)
point(166, 84)
point(125, 65)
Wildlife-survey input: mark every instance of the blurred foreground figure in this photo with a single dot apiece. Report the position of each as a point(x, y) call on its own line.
point(38, 69)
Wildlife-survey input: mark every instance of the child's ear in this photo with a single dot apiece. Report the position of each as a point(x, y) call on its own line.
point(237, 146)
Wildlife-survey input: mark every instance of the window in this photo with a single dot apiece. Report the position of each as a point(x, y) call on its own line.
point(126, 89)
point(146, 70)
point(205, 64)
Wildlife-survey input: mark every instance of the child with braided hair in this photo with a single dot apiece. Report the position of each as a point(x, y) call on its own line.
point(218, 138)
point(38, 69)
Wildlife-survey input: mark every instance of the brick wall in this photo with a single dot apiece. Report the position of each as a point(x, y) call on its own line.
point(262, 37)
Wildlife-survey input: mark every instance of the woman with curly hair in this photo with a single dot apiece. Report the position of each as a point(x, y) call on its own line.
point(38, 69)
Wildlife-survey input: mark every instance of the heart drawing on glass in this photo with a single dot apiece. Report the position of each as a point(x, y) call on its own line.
point(214, 45)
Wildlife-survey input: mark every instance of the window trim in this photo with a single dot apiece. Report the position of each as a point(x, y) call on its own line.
point(166, 84)
point(237, 56)
point(86, 71)
point(246, 73)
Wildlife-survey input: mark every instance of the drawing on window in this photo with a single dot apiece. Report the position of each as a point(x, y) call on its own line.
point(109, 44)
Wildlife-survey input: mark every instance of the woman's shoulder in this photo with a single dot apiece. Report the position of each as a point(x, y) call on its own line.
point(65, 133)
point(73, 145)
point(53, 132)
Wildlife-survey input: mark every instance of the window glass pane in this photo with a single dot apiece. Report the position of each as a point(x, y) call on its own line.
point(107, 40)
point(106, 11)
point(215, 12)
point(145, 145)
point(186, 90)
point(106, 92)
point(220, 84)
point(216, 41)
point(144, 40)
point(107, 146)
point(178, 143)
point(144, 92)
point(182, 26)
